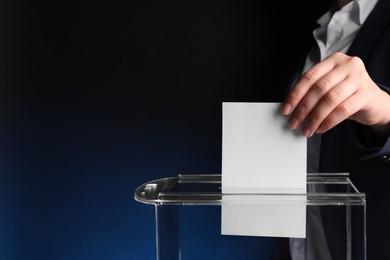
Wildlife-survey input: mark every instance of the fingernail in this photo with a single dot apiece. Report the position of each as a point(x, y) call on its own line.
point(293, 123)
point(319, 130)
point(306, 132)
point(286, 109)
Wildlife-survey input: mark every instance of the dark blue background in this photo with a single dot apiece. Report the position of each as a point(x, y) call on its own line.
point(98, 98)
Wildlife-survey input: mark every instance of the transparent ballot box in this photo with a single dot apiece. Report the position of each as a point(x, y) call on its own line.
point(188, 214)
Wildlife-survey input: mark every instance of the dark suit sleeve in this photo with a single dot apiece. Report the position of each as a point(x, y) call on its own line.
point(365, 138)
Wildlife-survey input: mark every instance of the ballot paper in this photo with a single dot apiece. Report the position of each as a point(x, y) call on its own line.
point(263, 172)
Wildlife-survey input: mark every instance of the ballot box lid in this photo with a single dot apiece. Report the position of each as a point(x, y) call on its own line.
point(205, 189)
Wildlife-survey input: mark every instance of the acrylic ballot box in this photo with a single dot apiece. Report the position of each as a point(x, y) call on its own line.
point(188, 219)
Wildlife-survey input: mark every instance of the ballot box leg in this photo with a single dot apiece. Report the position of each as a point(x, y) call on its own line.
point(167, 232)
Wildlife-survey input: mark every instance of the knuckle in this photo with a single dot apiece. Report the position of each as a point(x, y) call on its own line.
point(321, 85)
point(313, 121)
point(303, 110)
point(310, 75)
point(294, 98)
point(345, 108)
point(338, 54)
point(355, 61)
point(332, 98)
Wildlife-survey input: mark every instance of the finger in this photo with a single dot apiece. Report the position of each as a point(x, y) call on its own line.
point(317, 91)
point(343, 111)
point(305, 83)
point(329, 101)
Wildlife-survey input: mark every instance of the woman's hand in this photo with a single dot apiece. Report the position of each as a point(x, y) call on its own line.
point(333, 90)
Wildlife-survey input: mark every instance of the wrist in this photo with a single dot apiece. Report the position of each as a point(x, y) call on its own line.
point(382, 128)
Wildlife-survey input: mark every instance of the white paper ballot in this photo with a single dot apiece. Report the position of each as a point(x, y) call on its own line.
point(269, 215)
point(261, 155)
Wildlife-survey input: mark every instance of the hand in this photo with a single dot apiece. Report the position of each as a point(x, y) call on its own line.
point(333, 90)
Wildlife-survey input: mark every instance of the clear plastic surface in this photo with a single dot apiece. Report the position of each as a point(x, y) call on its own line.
point(188, 216)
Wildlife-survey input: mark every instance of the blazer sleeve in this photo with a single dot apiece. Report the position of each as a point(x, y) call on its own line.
point(366, 141)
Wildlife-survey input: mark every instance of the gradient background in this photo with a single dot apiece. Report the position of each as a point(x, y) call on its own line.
point(98, 98)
